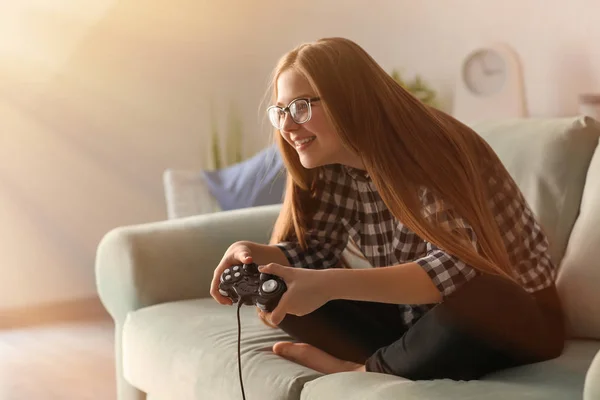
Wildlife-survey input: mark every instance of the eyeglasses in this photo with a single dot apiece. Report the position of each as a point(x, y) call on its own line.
point(299, 109)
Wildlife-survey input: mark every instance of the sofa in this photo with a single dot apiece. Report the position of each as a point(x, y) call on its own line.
point(173, 341)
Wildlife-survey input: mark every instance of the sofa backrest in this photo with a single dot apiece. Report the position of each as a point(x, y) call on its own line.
point(549, 158)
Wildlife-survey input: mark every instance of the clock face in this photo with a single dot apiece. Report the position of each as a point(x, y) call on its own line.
point(485, 72)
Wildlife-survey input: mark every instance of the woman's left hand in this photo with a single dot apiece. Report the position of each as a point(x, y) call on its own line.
point(306, 290)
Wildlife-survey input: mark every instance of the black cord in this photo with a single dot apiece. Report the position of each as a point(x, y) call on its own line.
point(240, 349)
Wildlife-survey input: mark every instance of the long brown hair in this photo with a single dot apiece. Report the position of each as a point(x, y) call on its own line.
point(404, 146)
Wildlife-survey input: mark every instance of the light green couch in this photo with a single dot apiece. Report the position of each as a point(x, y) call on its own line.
point(174, 342)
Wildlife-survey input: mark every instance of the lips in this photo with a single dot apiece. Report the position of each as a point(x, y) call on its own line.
point(303, 141)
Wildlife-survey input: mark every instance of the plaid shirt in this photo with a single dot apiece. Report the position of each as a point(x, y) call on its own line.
point(351, 208)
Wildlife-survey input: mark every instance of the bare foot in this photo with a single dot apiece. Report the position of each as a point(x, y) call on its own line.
point(311, 357)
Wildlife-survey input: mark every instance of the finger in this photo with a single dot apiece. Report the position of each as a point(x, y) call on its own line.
point(275, 269)
point(220, 298)
point(280, 311)
point(217, 273)
point(265, 318)
point(214, 287)
point(245, 256)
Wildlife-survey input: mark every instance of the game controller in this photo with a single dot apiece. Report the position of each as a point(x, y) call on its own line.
point(246, 284)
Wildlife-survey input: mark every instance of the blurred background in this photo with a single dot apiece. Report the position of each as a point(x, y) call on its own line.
point(99, 97)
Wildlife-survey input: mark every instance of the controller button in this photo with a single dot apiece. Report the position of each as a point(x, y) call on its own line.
point(236, 268)
point(270, 286)
point(228, 277)
point(261, 306)
point(237, 274)
point(224, 293)
point(227, 271)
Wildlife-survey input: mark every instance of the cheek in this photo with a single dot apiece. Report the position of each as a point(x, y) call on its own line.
point(286, 137)
point(320, 127)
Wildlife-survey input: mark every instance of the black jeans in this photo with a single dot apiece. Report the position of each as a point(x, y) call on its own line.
point(488, 324)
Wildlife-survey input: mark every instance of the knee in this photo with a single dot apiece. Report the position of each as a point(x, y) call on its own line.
point(501, 313)
point(488, 301)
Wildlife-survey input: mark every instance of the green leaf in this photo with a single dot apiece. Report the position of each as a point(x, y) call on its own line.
point(418, 87)
point(396, 76)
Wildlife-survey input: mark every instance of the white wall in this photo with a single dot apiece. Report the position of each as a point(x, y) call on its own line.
point(97, 98)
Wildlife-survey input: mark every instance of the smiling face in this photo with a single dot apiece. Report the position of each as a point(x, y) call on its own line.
point(316, 140)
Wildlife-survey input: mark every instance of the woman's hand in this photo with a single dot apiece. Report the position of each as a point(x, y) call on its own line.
point(306, 291)
point(238, 253)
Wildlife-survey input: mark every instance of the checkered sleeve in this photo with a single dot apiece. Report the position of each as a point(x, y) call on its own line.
point(445, 270)
point(525, 241)
point(327, 236)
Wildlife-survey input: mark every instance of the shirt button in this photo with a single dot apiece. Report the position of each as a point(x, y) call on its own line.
point(380, 249)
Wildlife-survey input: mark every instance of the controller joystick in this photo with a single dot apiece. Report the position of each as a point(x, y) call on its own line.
point(251, 269)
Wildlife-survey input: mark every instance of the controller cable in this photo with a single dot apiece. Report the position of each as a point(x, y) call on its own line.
point(239, 346)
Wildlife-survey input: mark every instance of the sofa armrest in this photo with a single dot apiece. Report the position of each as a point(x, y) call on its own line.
point(591, 389)
point(141, 265)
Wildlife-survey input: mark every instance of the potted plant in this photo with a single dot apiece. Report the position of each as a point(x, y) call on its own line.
point(418, 88)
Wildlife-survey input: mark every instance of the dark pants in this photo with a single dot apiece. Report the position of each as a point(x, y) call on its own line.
point(487, 325)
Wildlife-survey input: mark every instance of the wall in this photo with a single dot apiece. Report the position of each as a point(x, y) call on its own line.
point(97, 100)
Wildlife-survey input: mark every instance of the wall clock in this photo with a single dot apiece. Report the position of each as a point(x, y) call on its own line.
point(490, 86)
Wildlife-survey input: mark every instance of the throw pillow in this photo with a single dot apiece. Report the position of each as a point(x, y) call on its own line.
point(258, 181)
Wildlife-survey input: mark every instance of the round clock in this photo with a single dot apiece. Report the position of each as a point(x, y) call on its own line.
point(489, 85)
point(484, 72)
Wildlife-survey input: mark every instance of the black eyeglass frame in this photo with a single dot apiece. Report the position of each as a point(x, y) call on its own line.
point(286, 110)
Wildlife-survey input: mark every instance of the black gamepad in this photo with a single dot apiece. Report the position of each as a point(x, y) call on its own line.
point(245, 283)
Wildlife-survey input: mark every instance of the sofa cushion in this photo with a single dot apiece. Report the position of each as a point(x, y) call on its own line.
point(188, 350)
point(579, 276)
point(558, 379)
point(591, 390)
point(548, 158)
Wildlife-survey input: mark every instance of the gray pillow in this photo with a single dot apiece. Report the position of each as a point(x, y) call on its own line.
point(258, 181)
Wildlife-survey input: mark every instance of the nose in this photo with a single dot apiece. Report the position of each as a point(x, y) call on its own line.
point(288, 123)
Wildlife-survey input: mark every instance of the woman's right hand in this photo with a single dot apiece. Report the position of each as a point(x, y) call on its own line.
point(238, 253)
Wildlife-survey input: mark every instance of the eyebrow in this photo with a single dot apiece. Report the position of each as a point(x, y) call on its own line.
point(303, 96)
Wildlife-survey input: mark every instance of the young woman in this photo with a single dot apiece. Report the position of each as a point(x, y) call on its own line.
point(463, 284)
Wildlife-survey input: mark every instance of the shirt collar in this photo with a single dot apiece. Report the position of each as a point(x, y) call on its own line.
point(356, 173)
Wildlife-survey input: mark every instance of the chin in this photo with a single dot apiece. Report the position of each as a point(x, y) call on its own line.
point(310, 162)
